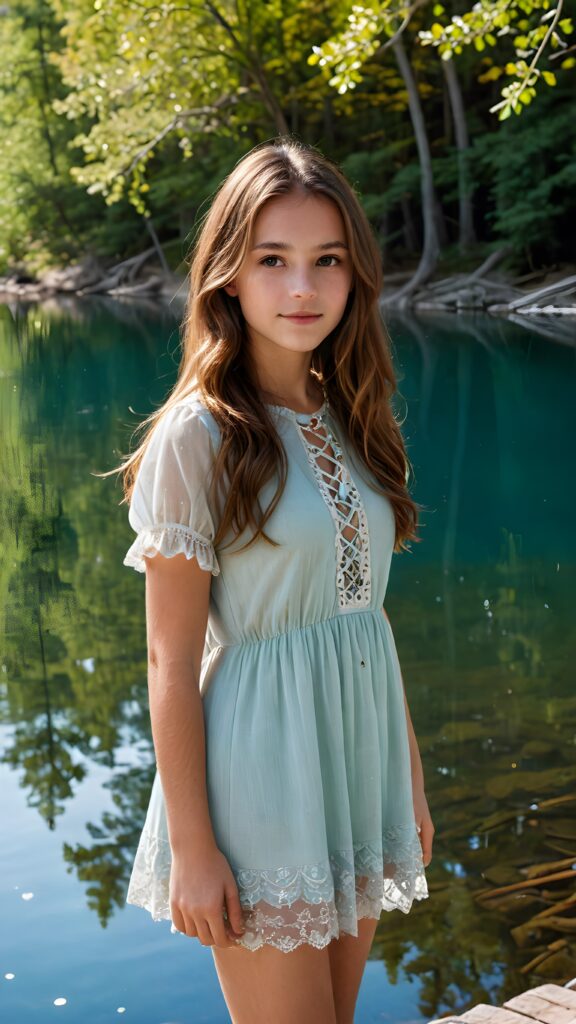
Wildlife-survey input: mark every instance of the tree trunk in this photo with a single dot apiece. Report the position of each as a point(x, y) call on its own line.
point(442, 230)
point(156, 243)
point(270, 100)
point(446, 114)
point(466, 233)
point(408, 230)
point(251, 59)
point(47, 99)
point(431, 247)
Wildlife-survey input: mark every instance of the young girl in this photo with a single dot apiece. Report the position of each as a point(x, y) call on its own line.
point(288, 806)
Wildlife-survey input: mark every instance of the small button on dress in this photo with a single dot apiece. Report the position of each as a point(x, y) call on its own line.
point(308, 771)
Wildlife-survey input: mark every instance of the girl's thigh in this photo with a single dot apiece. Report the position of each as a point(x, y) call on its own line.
point(265, 984)
point(348, 955)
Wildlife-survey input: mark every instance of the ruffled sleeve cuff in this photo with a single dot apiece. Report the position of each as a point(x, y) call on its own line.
point(171, 539)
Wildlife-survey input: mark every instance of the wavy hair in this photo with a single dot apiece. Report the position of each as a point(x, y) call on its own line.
point(353, 363)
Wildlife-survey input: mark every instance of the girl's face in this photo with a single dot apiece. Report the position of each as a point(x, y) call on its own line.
point(298, 262)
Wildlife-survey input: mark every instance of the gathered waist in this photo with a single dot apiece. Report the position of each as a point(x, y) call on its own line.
point(331, 619)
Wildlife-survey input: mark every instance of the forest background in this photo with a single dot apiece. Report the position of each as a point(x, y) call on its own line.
point(455, 122)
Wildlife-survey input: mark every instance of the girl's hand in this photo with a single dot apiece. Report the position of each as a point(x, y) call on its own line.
point(423, 822)
point(202, 887)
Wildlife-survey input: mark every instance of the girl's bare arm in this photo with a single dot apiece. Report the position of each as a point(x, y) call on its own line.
point(202, 885)
point(177, 600)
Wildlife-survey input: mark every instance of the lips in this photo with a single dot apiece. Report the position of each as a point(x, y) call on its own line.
point(301, 316)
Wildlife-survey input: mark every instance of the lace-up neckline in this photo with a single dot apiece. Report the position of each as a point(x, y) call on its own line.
point(337, 487)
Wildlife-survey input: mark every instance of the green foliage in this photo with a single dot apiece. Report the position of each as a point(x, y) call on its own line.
point(132, 73)
point(528, 31)
point(343, 56)
point(116, 110)
point(370, 29)
point(371, 169)
point(531, 176)
point(34, 163)
point(46, 217)
point(140, 73)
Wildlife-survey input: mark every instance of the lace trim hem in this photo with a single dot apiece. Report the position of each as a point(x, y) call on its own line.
point(171, 539)
point(311, 904)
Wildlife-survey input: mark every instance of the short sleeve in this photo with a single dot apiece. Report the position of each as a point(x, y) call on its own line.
point(169, 508)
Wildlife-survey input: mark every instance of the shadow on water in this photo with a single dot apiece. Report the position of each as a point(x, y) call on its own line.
point(482, 612)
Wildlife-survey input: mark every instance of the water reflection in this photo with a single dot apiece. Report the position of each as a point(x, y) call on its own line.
point(483, 617)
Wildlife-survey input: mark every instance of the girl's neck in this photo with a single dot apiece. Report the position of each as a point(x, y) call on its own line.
point(306, 403)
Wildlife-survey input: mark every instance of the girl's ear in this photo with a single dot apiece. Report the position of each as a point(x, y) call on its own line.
point(231, 288)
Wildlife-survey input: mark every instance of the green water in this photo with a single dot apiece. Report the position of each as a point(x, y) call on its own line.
point(483, 615)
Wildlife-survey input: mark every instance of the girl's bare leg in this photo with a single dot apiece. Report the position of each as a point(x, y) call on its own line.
point(266, 985)
point(348, 955)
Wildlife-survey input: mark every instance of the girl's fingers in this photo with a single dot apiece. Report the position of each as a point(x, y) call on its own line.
point(204, 933)
point(178, 920)
point(234, 910)
point(426, 836)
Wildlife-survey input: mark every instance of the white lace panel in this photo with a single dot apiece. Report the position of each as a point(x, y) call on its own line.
point(341, 495)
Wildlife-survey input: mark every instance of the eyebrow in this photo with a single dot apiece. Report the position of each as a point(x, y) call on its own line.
point(284, 245)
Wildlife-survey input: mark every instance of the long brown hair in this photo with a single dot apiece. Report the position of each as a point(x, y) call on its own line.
point(353, 363)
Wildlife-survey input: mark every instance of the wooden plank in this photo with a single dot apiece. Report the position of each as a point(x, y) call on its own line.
point(483, 1013)
point(541, 1009)
point(557, 994)
point(547, 1004)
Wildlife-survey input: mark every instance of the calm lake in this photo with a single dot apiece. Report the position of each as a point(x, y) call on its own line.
point(483, 615)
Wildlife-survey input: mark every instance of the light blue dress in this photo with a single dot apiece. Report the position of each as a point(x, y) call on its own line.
point(307, 752)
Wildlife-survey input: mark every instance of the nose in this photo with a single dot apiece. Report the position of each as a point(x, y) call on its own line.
point(301, 285)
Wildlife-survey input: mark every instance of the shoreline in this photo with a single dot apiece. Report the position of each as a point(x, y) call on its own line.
point(548, 292)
